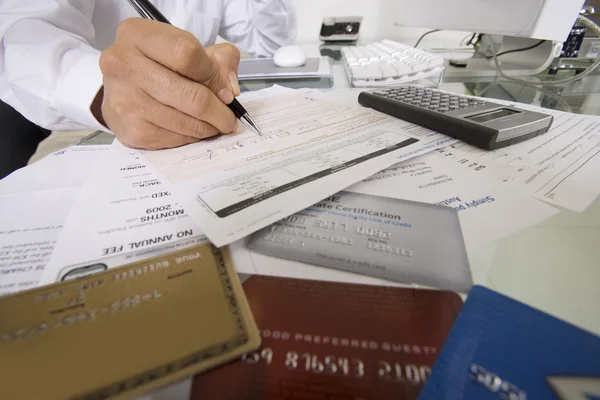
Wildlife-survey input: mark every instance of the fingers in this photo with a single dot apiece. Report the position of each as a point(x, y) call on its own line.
point(145, 135)
point(181, 93)
point(123, 117)
point(227, 58)
point(165, 86)
point(163, 89)
point(152, 137)
point(177, 50)
point(175, 121)
point(141, 122)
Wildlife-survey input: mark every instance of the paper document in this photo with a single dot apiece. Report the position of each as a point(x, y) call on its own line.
point(487, 209)
point(236, 184)
point(123, 208)
point(561, 167)
point(29, 226)
point(249, 262)
point(63, 169)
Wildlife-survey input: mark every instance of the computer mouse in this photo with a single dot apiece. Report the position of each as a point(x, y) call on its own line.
point(289, 57)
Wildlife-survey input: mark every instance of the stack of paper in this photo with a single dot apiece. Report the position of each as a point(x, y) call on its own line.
point(230, 186)
point(137, 203)
point(330, 192)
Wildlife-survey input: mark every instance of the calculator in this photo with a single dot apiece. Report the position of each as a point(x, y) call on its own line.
point(473, 120)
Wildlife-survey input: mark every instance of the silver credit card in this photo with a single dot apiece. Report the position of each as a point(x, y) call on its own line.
point(388, 238)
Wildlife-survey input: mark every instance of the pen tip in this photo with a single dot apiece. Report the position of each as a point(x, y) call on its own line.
point(252, 124)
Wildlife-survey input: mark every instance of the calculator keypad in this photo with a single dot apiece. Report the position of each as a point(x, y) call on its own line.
point(430, 99)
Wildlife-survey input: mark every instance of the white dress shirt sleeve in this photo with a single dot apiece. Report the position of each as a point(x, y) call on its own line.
point(259, 26)
point(49, 68)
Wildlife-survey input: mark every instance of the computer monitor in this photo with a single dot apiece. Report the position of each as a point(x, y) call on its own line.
point(513, 24)
point(539, 19)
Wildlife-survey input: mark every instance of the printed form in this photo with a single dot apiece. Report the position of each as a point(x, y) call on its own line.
point(487, 210)
point(124, 212)
point(559, 167)
point(236, 184)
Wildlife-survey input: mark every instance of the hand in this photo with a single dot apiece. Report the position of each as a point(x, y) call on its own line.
point(162, 89)
point(227, 59)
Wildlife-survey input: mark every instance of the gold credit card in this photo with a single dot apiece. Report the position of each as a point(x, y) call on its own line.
point(125, 331)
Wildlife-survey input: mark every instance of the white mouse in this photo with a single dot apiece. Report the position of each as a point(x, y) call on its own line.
point(289, 57)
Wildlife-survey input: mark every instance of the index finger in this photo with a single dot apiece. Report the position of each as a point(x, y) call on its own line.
point(177, 50)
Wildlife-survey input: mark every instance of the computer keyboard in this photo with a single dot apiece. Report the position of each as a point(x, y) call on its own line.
point(388, 63)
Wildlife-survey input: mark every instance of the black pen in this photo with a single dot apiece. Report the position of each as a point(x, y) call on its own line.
point(149, 11)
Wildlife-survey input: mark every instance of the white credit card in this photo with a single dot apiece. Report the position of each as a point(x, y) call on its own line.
point(394, 239)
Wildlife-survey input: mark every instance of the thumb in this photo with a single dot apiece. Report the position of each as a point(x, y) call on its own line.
point(226, 58)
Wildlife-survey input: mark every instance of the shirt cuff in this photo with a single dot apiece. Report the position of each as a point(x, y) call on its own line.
point(75, 93)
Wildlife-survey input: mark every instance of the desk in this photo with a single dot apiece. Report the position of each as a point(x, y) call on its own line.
point(553, 266)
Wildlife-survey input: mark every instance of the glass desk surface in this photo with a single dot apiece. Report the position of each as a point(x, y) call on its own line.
point(553, 266)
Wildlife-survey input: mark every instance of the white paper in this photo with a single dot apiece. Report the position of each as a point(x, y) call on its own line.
point(561, 167)
point(249, 262)
point(236, 184)
point(29, 226)
point(491, 211)
point(123, 208)
point(67, 168)
point(488, 210)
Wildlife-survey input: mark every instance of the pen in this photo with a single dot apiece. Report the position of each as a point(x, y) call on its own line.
point(149, 11)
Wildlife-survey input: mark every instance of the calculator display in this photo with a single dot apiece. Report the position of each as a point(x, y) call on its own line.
point(495, 114)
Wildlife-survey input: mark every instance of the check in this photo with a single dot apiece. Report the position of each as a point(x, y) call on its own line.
point(236, 184)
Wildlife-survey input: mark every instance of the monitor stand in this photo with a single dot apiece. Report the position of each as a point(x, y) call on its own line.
point(525, 63)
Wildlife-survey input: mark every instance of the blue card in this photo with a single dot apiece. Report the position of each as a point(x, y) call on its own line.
point(502, 349)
